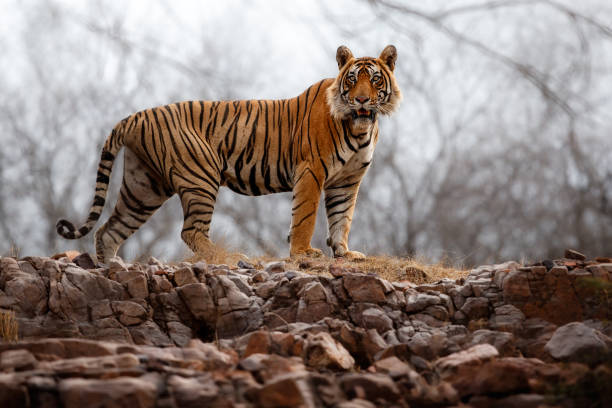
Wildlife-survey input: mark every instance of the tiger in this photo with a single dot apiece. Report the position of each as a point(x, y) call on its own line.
point(321, 141)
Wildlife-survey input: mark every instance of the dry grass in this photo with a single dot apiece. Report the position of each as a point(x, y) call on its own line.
point(13, 252)
point(9, 328)
point(219, 253)
point(387, 267)
point(390, 268)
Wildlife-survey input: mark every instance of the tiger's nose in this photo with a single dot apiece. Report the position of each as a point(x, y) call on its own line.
point(362, 99)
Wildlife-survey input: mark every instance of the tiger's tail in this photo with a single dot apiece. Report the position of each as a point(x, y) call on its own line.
point(113, 144)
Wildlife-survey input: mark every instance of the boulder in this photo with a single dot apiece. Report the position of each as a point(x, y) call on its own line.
point(364, 288)
point(578, 342)
point(322, 351)
point(125, 392)
point(372, 387)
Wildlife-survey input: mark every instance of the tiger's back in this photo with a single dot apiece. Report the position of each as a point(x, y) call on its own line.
point(254, 147)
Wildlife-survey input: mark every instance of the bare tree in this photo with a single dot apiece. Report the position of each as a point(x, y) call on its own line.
point(511, 175)
point(500, 149)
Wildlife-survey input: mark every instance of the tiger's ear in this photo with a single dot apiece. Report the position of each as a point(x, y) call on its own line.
point(388, 56)
point(343, 55)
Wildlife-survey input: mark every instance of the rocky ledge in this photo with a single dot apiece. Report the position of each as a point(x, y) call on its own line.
point(155, 335)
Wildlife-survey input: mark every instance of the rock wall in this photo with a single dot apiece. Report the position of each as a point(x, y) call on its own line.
point(145, 335)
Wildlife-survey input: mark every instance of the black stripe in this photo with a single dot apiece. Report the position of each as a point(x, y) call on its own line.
point(102, 178)
point(310, 214)
point(253, 181)
point(93, 216)
point(98, 201)
point(225, 112)
point(196, 213)
point(107, 156)
point(331, 204)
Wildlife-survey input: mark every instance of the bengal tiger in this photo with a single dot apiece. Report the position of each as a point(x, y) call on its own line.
point(320, 141)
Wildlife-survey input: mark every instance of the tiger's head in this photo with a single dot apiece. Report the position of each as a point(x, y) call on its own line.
point(364, 87)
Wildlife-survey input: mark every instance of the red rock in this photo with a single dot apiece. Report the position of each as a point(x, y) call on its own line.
point(199, 299)
point(130, 313)
point(115, 266)
point(356, 403)
point(474, 356)
point(275, 267)
point(601, 271)
point(428, 344)
point(393, 366)
point(160, 283)
point(290, 390)
point(71, 254)
point(476, 308)
point(68, 348)
point(364, 288)
point(507, 318)
point(504, 376)
point(213, 358)
point(200, 391)
point(516, 287)
point(504, 342)
point(179, 333)
point(28, 289)
point(121, 364)
point(363, 345)
point(260, 276)
point(401, 351)
point(580, 343)
point(149, 333)
point(336, 270)
point(322, 351)
point(13, 394)
point(259, 342)
point(120, 392)
point(84, 261)
point(416, 301)
point(270, 366)
point(312, 312)
point(282, 343)
point(17, 360)
point(373, 318)
point(512, 401)
point(573, 254)
point(548, 295)
point(184, 276)
point(135, 280)
point(372, 387)
point(266, 289)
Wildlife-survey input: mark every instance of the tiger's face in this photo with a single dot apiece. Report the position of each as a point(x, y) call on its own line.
point(364, 87)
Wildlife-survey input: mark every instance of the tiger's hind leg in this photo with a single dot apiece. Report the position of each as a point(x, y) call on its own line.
point(141, 194)
point(198, 204)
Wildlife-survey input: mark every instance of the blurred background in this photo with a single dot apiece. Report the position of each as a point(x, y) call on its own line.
point(502, 147)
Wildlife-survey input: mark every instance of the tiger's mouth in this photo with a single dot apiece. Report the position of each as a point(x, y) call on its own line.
point(362, 113)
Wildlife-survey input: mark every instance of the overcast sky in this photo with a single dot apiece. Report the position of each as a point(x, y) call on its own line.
point(72, 69)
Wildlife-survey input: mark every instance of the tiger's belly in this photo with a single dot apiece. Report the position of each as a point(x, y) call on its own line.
point(255, 180)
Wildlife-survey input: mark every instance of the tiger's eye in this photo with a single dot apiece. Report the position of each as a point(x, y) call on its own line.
point(376, 78)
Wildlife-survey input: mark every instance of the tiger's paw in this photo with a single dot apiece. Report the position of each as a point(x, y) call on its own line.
point(351, 255)
point(341, 251)
point(309, 252)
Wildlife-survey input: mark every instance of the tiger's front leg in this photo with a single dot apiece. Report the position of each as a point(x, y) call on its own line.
point(306, 194)
point(340, 202)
